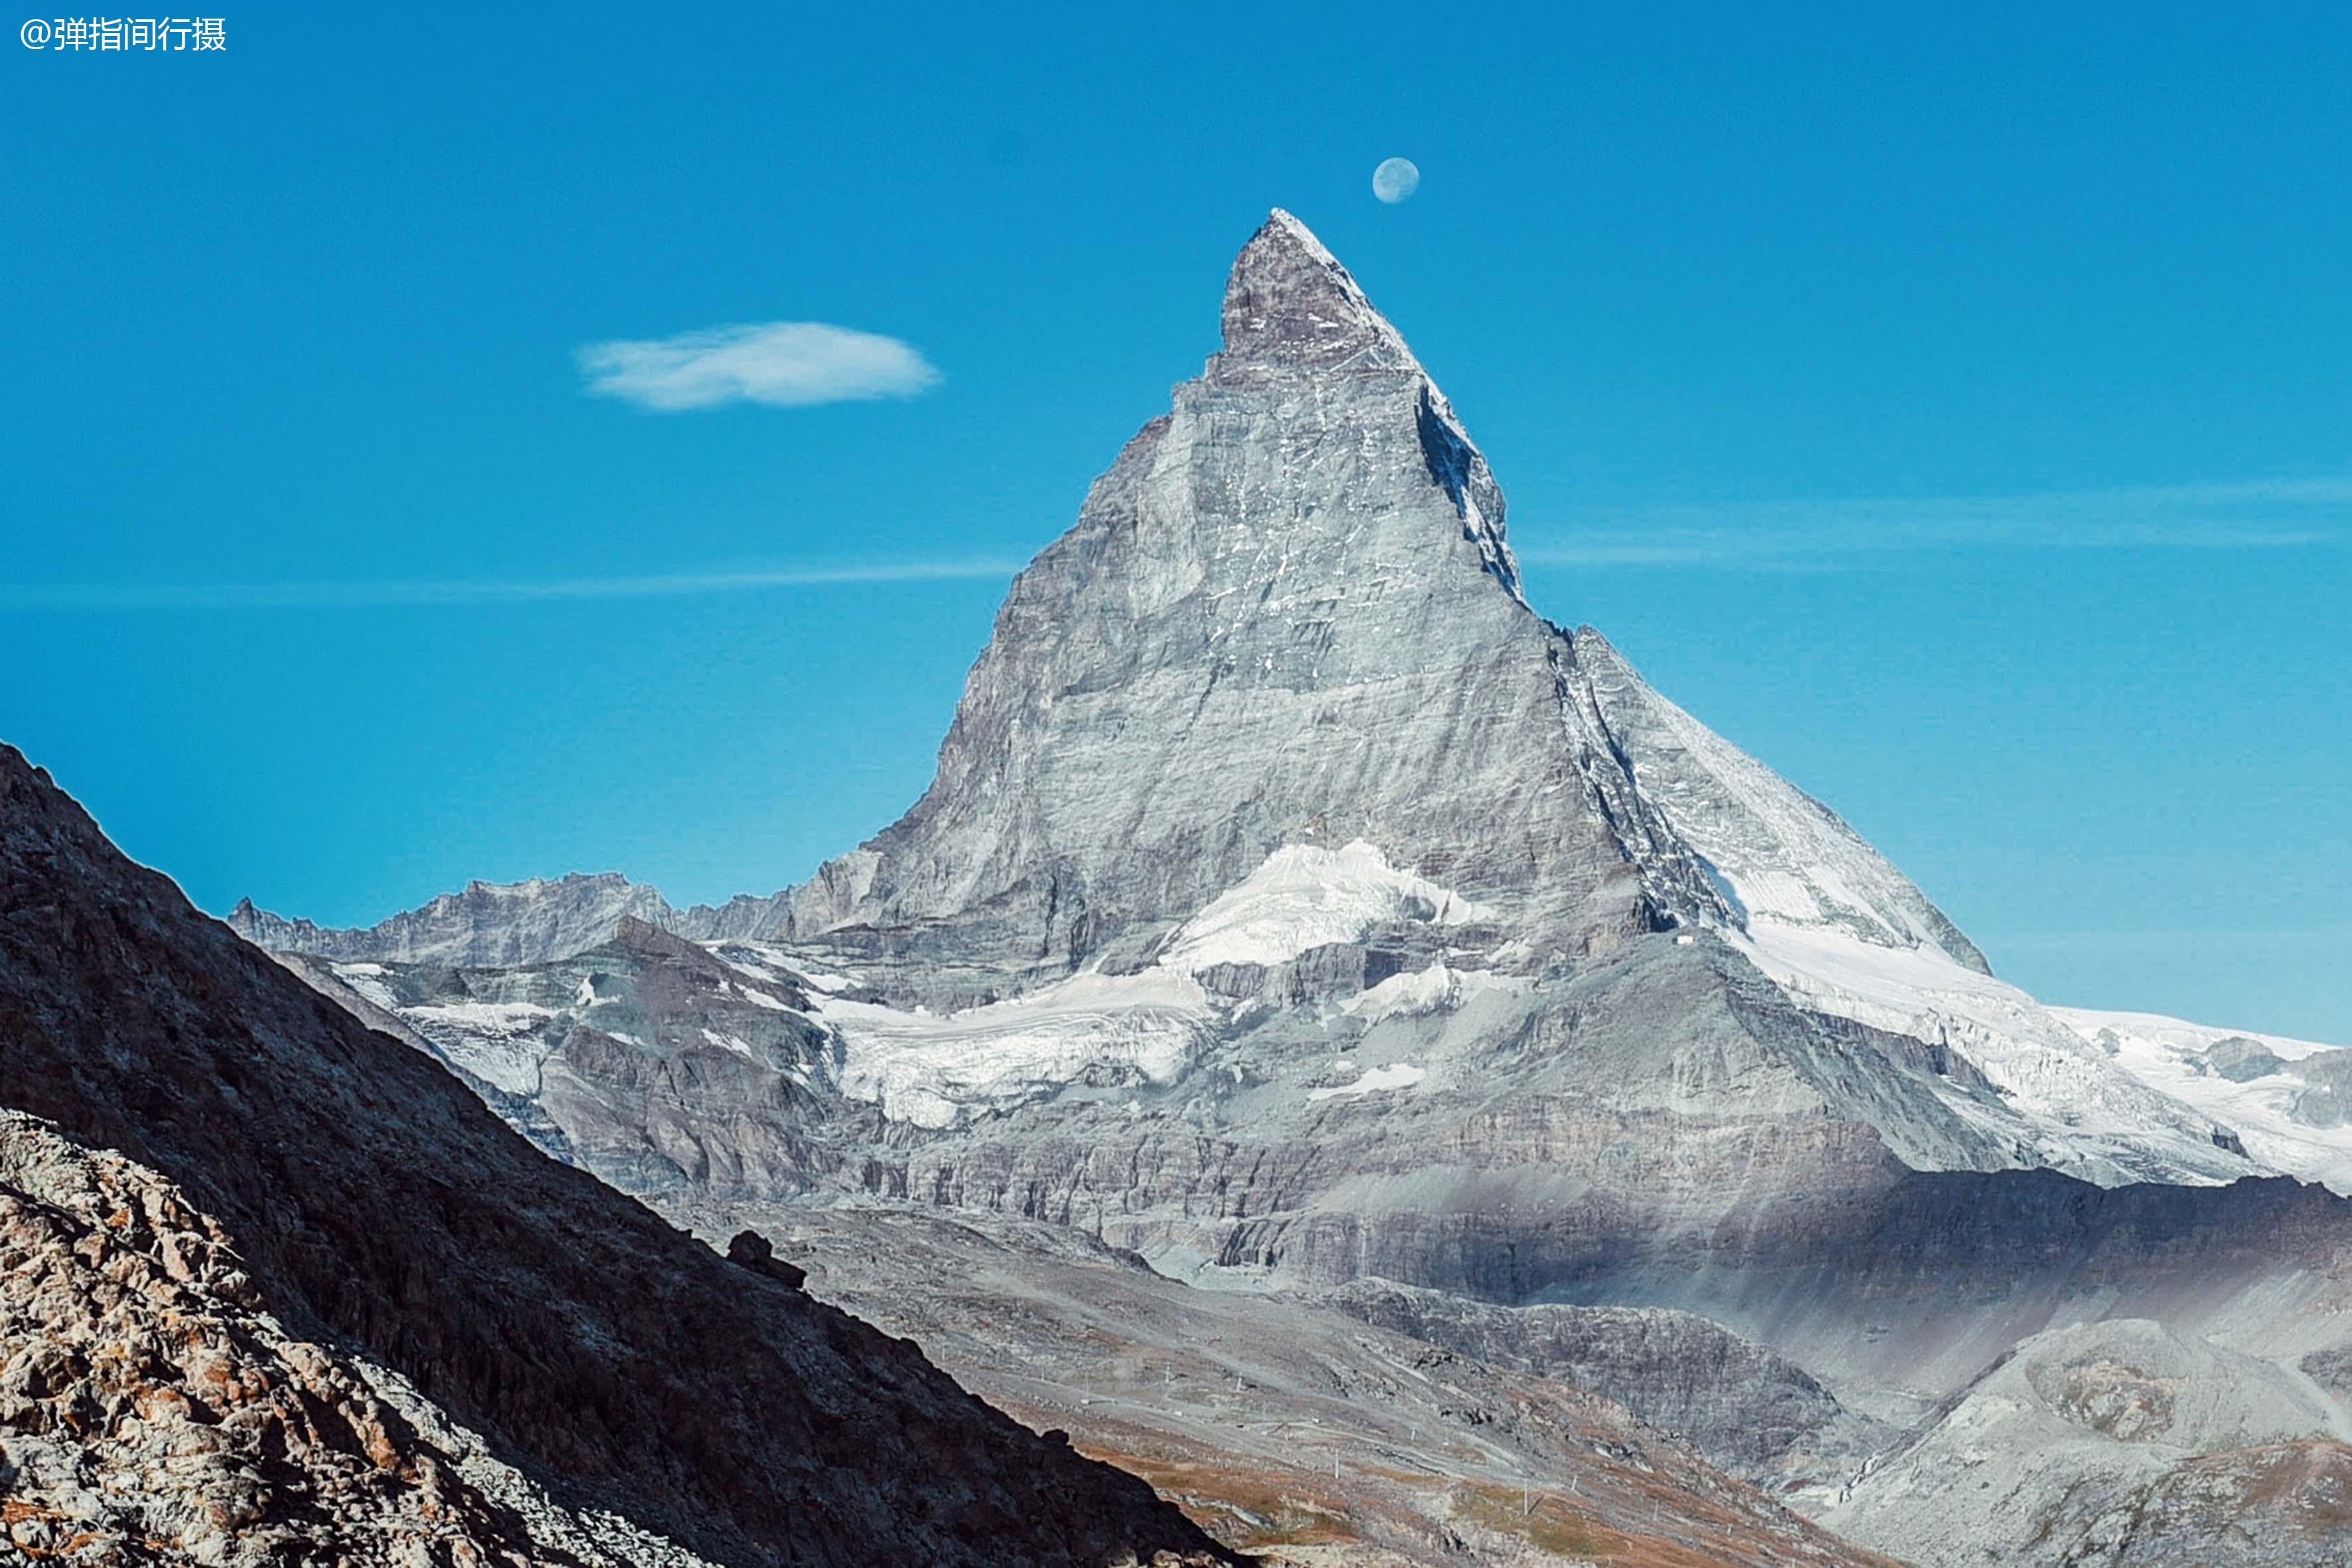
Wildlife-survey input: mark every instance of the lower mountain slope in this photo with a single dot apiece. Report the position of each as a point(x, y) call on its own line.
point(1578, 1174)
point(376, 1203)
point(1287, 1427)
point(2120, 1442)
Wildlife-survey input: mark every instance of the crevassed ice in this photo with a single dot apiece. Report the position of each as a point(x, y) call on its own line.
point(492, 1040)
point(2167, 1054)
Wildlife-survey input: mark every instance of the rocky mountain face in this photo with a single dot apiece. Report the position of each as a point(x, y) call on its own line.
point(1746, 1408)
point(1286, 616)
point(295, 1164)
point(1298, 909)
point(2119, 1442)
point(488, 924)
point(645, 1059)
point(493, 924)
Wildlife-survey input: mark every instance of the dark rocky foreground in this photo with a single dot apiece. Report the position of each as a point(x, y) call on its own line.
point(376, 1206)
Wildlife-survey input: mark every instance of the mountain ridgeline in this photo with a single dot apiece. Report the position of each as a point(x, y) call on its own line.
point(275, 1156)
point(1295, 907)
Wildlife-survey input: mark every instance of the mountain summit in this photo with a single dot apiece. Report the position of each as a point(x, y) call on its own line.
point(1286, 616)
point(1289, 303)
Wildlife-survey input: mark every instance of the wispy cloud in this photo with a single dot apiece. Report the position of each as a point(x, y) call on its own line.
point(1824, 534)
point(784, 363)
point(360, 593)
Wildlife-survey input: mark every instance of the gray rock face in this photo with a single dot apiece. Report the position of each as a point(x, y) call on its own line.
point(2326, 1098)
point(1286, 616)
point(1750, 1411)
point(647, 1059)
point(2242, 1060)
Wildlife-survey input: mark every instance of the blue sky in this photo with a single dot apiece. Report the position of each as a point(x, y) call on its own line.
point(1955, 411)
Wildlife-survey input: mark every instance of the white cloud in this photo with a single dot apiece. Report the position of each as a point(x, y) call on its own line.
point(1820, 534)
point(782, 364)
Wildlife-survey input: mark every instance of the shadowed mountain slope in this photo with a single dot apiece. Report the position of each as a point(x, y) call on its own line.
point(376, 1200)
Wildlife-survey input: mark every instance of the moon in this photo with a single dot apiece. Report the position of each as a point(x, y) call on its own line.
point(1395, 179)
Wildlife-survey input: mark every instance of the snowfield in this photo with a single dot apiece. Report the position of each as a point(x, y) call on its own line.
point(2169, 1055)
point(2077, 1110)
point(1304, 897)
point(1396, 1075)
point(937, 1071)
point(1436, 989)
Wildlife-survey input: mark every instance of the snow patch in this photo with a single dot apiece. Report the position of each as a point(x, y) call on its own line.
point(2080, 1112)
point(1396, 1075)
point(937, 1071)
point(730, 1043)
point(1436, 989)
point(1305, 897)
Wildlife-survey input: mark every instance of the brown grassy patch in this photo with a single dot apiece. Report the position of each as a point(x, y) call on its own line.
point(1539, 1519)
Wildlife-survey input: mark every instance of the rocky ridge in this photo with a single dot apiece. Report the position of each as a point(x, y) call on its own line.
point(375, 1202)
point(151, 1409)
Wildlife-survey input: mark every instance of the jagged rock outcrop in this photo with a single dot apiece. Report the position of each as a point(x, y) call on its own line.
point(649, 1060)
point(1286, 616)
point(486, 925)
point(153, 1410)
point(1750, 1411)
point(495, 924)
point(375, 1202)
